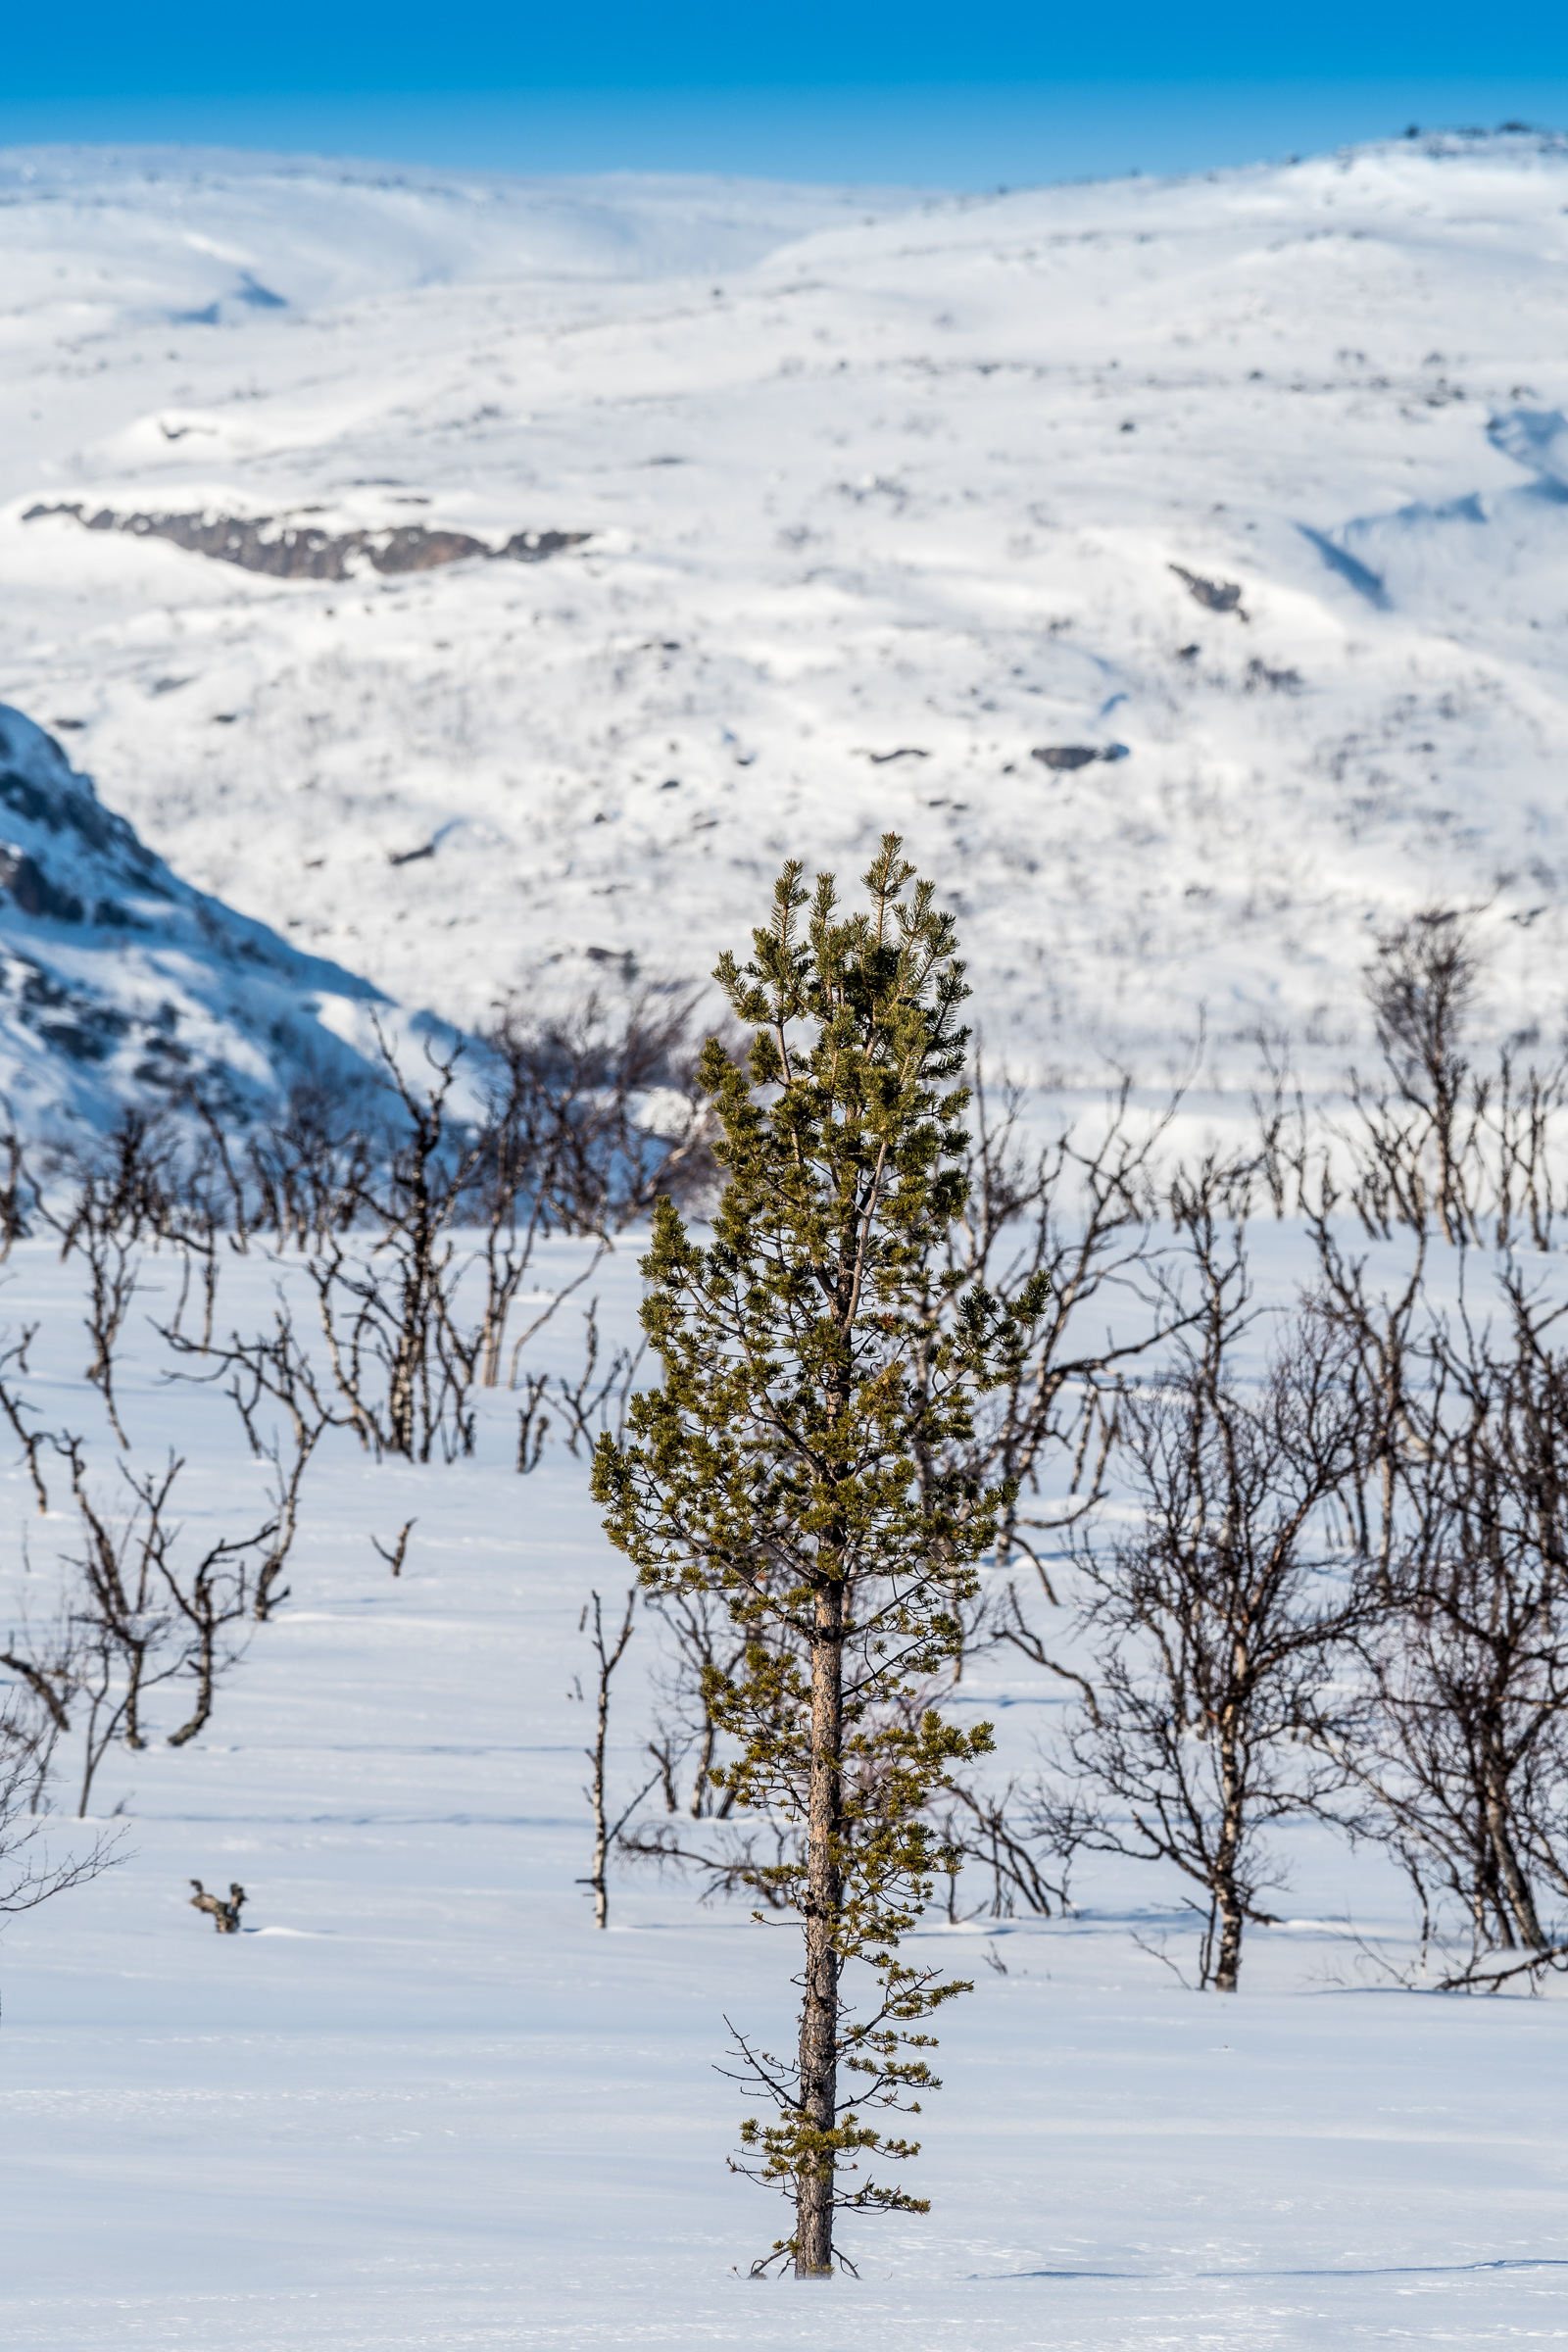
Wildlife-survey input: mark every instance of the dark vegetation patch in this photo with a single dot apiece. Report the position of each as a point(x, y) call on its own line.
point(71, 804)
point(1277, 681)
point(1076, 754)
point(33, 892)
point(92, 1039)
point(1216, 596)
point(59, 805)
point(286, 551)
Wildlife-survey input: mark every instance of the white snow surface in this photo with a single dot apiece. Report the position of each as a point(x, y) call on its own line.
point(420, 2106)
point(884, 493)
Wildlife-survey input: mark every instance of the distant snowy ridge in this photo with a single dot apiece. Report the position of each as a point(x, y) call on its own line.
point(210, 237)
point(1181, 566)
point(120, 982)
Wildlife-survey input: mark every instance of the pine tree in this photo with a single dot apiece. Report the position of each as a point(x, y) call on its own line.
point(820, 1367)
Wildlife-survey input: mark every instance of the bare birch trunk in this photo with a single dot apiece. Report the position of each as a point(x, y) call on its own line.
point(132, 1714)
point(1515, 1886)
point(1228, 1964)
point(205, 1677)
point(606, 1831)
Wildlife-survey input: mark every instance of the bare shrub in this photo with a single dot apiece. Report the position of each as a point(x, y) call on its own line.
point(602, 1109)
point(533, 1422)
point(19, 1194)
point(101, 1222)
point(563, 1147)
point(145, 1616)
point(31, 1871)
point(704, 1653)
point(16, 1407)
point(1219, 1616)
point(272, 1370)
point(597, 1401)
point(742, 1858)
point(383, 1307)
point(396, 1556)
point(305, 1169)
point(1422, 988)
point(590, 1118)
point(1013, 1835)
point(1523, 1113)
point(33, 1714)
point(1460, 1735)
point(1442, 1140)
point(1075, 1222)
point(608, 1651)
point(224, 1916)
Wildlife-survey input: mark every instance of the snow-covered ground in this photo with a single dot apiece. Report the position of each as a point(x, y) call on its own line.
point(421, 2105)
point(883, 496)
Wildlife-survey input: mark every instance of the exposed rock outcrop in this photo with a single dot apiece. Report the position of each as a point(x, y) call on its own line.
point(289, 549)
point(119, 981)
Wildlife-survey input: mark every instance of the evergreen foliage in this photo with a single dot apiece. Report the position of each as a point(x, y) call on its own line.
point(803, 1461)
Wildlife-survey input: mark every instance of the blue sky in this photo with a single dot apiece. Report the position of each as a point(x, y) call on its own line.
point(999, 93)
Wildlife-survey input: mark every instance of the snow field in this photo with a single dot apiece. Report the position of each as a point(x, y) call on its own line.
point(421, 2104)
point(884, 494)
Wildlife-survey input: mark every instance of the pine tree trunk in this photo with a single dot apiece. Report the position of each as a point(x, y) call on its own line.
point(819, 2011)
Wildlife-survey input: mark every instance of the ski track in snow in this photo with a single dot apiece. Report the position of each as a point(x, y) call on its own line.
point(865, 475)
point(421, 2105)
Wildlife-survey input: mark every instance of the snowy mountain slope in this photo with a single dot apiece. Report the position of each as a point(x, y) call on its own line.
point(165, 235)
point(1254, 481)
point(118, 980)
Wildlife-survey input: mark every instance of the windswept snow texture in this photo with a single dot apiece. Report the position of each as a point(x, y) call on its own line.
point(117, 981)
point(419, 2105)
point(862, 476)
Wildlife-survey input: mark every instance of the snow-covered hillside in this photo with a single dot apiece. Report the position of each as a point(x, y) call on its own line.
point(118, 980)
point(1253, 485)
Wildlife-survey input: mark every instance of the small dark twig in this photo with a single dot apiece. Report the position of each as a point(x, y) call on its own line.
point(1156, 1951)
point(29, 1439)
point(532, 1422)
point(1478, 1979)
point(394, 1558)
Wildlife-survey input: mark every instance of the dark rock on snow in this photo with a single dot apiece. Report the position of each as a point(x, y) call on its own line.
point(119, 981)
point(288, 550)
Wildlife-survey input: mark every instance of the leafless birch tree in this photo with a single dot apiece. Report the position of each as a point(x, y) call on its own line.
point(608, 1651)
point(1219, 1615)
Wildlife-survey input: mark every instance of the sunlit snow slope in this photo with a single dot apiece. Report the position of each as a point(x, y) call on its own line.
point(882, 499)
point(119, 981)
